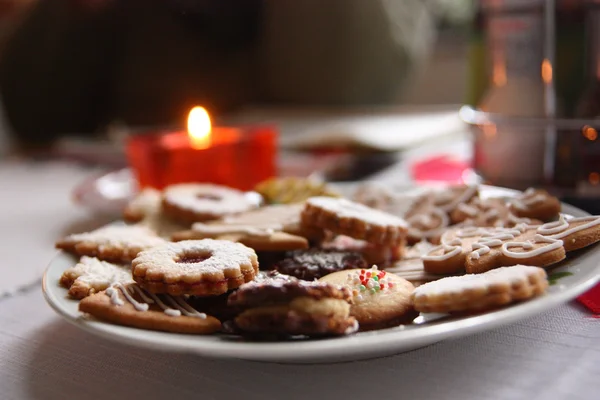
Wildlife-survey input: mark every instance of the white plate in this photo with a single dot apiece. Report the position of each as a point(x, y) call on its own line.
point(584, 265)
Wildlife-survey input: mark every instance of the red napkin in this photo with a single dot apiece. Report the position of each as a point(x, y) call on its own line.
point(448, 169)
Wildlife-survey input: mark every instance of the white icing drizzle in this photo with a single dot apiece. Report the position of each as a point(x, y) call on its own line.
point(554, 244)
point(529, 198)
point(513, 219)
point(483, 245)
point(557, 233)
point(467, 209)
point(425, 220)
point(449, 250)
point(180, 306)
point(464, 196)
point(491, 214)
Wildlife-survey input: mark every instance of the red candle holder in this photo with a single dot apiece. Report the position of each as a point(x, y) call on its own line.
point(238, 157)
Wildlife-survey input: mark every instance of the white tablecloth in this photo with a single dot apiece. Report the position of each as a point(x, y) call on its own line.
point(555, 355)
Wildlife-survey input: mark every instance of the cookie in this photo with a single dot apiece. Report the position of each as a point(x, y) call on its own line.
point(345, 217)
point(120, 243)
point(373, 254)
point(480, 292)
point(537, 204)
point(270, 228)
point(91, 275)
point(292, 190)
point(196, 202)
point(380, 299)
point(428, 224)
point(145, 203)
point(130, 305)
point(476, 250)
point(293, 308)
point(315, 263)
point(195, 267)
point(379, 196)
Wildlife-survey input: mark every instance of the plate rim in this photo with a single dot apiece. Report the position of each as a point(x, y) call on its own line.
point(387, 341)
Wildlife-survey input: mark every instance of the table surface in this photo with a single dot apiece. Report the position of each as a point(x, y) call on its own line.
point(555, 355)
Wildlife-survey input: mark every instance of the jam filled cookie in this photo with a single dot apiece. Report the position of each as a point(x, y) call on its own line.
point(130, 305)
point(194, 202)
point(537, 204)
point(195, 267)
point(380, 299)
point(293, 308)
point(270, 228)
point(352, 219)
point(481, 292)
point(119, 243)
point(91, 275)
point(314, 264)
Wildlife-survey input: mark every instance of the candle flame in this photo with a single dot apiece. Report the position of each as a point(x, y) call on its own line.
point(199, 127)
point(546, 71)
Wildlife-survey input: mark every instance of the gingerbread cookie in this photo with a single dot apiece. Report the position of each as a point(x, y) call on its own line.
point(478, 250)
point(379, 196)
point(315, 263)
point(130, 305)
point(374, 254)
point(270, 228)
point(195, 202)
point(478, 292)
point(293, 308)
point(119, 243)
point(196, 267)
point(91, 275)
point(537, 204)
point(292, 190)
point(380, 299)
point(429, 223)
point(346, 217)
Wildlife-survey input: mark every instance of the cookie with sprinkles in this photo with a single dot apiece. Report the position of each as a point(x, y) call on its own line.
point(380, 299)
point(345, 217)
point(296, 307)
point(130, 305)
point(91, 275)
point(195, 267)
point(118, 243)
point(196, 202)
point(480, 292)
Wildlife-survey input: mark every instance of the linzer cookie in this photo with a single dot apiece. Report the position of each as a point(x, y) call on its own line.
point(477, 250)
point(315, 263)
point(130, 305)
point(346, 217)
point(270, 228)
point(380, 299)
point(293, 308)
point(537, 204)
point(119, 243)
point(479, 292)
point(195, 267)
point(194, 202)
point(91, 275)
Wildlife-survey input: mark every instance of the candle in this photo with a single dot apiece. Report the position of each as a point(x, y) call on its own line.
point(238, 157)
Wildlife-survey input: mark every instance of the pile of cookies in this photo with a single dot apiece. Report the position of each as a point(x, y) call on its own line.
point(297, 259)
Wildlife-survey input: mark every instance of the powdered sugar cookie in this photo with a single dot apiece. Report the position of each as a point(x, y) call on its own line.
point(293, 308)
point(195, 202)
point(270, 228)
point(346, 217)
point(197, 267)
point(145, 203)
point(111, 243)
point(479, 292)
point(537, 204)
point(380, 299)
point(91, 275)
point(130, 305)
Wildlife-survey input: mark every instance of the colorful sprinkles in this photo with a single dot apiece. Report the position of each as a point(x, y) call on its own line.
point(368, 281)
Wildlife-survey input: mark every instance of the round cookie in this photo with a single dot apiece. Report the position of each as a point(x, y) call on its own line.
point(536, 204)
point(129, 305)
point(293, 308)
point(196, 202)
point(380, 300)
point(478, 292)
point(352, 219)
point(196, 267)
point(315, 263)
